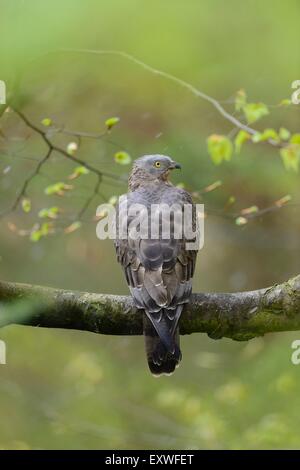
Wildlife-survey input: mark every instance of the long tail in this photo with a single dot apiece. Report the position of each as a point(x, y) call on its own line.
point(163, 356)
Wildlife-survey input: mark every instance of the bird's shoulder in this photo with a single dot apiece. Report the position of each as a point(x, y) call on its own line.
point(159, 193)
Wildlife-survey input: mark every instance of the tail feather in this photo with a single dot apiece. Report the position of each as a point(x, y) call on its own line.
point(163, 357)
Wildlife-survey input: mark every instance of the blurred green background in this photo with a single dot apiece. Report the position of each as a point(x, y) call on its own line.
point(65, 389)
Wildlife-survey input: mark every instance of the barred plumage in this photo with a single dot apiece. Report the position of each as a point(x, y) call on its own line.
point(158, 271)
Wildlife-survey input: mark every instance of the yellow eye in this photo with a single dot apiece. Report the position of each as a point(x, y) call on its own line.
point(157, 164)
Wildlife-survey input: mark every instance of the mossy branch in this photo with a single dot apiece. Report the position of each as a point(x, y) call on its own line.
point(239, 316)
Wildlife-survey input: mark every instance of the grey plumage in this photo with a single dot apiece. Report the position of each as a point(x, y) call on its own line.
point(158, 271)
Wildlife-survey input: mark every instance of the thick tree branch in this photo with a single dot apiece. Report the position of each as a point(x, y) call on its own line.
point(239, 316)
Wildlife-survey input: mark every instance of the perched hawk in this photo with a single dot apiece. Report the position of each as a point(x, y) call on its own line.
point(158, 270)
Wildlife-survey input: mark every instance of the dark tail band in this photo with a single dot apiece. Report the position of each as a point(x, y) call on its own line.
point(161, 360)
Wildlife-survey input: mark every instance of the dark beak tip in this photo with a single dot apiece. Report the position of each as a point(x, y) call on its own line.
point(177, 166)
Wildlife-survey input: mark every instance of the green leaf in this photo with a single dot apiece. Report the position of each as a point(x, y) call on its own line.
point(220, 148)
point(45, 229)
point(241, 221)
point(283, 200)
point(111, 122)
point(284, 133)
point(113, 200)
point(290, 156)
point(285, 102)
point(295, 139)
point(54, 188)
point(51, 213)
point(40, 231)
point(80, 170)
point(26, 205)
point(35, 235)
point(240, 139)
point(256, 137)
point(249, 210)
point(267, 134)
point(58, 189)
point(122, 158)
point(73, 227)
point(231, 200)
point(72, 148)
point(212, 186)
point(255, 111)
point(240, 100)
point(47, 122)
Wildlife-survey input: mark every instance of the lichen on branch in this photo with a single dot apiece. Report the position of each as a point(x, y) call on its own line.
point(239, 316)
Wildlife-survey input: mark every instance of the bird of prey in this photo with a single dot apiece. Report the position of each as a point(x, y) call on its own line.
point(158, 270)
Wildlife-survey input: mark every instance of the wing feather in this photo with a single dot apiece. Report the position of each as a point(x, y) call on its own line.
point(159, 274)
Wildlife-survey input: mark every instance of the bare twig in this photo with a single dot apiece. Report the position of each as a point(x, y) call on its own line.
point(184, 84)
point(53, 148)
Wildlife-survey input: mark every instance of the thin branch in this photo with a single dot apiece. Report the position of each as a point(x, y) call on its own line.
point(63, 152)
point(90, 199)
point(231, 118)
point(89, 135)
point(28, 180)
point(276, 206)
point(184, 84)
point(3, 108)
point(54, 148)
point(239, 316)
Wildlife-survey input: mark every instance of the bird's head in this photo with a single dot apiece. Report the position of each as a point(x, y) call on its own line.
point(150, 168)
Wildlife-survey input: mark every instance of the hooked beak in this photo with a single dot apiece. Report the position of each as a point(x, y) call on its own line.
point(175, 165)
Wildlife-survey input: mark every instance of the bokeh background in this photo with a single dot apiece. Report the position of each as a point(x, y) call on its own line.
point(67, 389)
